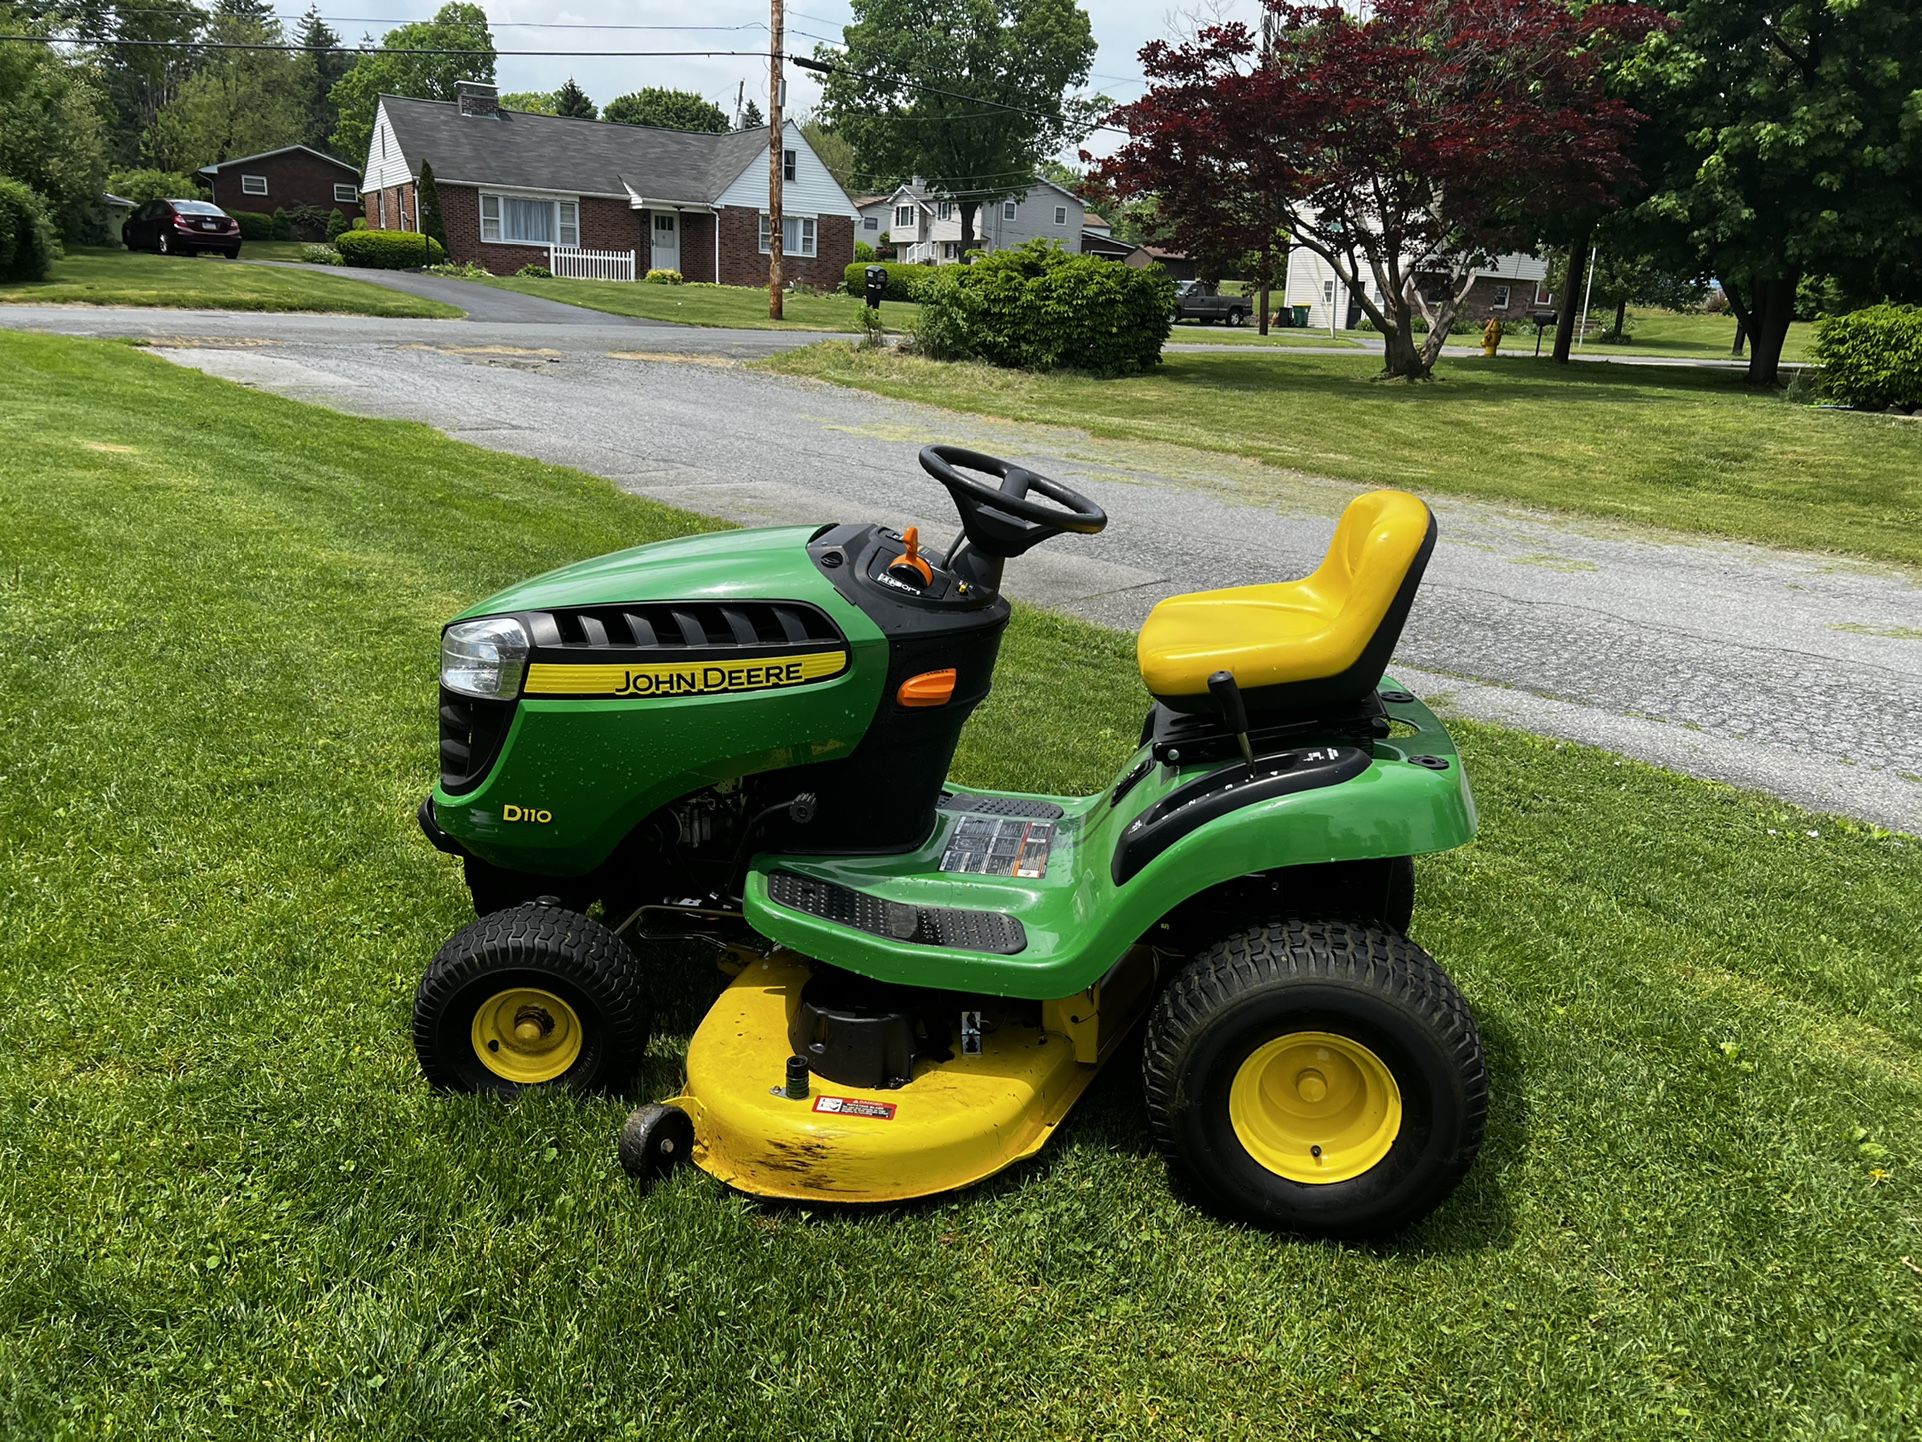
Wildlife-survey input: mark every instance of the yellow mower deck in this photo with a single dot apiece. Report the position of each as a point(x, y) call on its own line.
point(956, 1122)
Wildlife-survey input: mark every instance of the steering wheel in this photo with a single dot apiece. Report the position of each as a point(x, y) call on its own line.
point(1005, 520)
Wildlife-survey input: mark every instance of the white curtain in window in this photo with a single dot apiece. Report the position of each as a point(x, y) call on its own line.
point(797, 235)
point(531, 221)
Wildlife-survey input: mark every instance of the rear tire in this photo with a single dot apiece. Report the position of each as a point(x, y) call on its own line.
point(1302, 1050)
point(163, 245)
point(536, 996)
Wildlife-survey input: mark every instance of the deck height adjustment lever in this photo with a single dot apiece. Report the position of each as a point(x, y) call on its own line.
point(1234, 712)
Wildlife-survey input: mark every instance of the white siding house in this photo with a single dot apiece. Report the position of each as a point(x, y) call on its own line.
point(1509, 286)
point(926, 226)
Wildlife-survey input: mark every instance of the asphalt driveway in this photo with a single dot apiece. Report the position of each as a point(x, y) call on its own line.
point(1789, 673)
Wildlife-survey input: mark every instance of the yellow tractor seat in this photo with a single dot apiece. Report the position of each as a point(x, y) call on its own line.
point(1323, 641)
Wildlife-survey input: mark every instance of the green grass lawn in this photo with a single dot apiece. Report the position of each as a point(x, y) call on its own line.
point(1667, 332)
point(1190, 332)
point(737, 306)
point(230, 1209)
point(1687, 450)
point(91, 275)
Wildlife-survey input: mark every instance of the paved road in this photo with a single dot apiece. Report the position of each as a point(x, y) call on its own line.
point(1792, 674)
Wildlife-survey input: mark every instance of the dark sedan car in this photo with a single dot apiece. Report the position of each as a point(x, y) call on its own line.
point(182, 227)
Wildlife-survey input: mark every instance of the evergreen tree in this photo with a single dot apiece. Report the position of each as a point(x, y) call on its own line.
point(751, 117)
point(570, 100)
point(316, 73)
point(431, 222)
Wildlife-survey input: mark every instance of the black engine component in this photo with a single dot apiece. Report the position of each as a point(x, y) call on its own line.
point(859, 1033)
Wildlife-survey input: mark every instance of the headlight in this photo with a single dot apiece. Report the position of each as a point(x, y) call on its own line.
point(484, 658)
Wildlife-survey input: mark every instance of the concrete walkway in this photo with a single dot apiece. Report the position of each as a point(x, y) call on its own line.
point(1790, 673)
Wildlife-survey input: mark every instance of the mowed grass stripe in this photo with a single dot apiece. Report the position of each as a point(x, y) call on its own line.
point(97, 275)
point(1683, 450)
point(229, 1208)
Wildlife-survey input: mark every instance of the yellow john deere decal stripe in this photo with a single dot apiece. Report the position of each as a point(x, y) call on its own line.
point(683, 678)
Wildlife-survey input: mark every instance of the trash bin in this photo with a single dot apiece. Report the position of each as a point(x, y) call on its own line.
point(877, 284)
point(1301, 316)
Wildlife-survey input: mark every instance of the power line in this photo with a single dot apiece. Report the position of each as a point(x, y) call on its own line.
point(374, 49)
point(810, 63)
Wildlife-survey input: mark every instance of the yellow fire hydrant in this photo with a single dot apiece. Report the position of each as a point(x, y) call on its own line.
point(1491, 338)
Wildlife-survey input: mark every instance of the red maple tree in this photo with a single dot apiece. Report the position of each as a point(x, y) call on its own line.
point(1405, 148)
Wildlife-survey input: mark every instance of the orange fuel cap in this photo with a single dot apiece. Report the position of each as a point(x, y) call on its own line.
point(930, 688)
point(908, 566)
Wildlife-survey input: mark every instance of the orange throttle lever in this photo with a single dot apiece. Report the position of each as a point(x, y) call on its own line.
point(909, 567)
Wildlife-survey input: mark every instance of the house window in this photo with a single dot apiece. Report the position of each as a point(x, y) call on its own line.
point(944, 210)
point(1328, 292)
point(1543, 295)
point(253, 185)
point(1500, 302)
point(663, 223)
point(528, 220)
point(1009, 209)
point(950, 250)
point(1061, 215)
point(787, 165)
point(383, 210)
point(797, 235)
point(869, 222)
point(904, 215)
point(346, 194)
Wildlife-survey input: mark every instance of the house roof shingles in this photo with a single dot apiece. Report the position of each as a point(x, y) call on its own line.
point(590, 157)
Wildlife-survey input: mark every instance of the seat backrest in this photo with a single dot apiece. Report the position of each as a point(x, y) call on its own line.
point(1374, 564)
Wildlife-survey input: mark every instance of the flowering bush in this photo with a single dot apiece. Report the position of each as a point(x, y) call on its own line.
point(661, 277)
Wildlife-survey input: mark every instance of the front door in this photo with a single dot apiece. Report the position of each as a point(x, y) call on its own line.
point(666, 254)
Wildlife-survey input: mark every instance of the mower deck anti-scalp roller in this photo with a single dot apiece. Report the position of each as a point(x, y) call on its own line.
point(742, 740)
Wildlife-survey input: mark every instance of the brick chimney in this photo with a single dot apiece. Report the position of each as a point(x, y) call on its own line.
point(475, 98)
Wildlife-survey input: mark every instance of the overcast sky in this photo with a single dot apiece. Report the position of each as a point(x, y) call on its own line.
point(1121, 28)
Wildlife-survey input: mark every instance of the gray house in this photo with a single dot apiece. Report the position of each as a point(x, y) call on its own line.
point(925, 226)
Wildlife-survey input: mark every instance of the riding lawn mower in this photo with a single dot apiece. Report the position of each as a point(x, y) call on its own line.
point(742, 740)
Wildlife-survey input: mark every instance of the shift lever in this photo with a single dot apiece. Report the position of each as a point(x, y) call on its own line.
point(1234, 711)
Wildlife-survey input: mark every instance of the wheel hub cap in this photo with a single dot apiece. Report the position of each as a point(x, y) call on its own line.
point(527, 1035)
point(1315, 1107)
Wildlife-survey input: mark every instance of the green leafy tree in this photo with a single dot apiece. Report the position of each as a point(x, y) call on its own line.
point(669, 109)
point(239, 102)
point(458, 27)
point(532, 102)
point(317, 70)
point(139, 79)
point(751, 117)
point(1784, 138)
point(1619, 276)
point(570, 100)
point(53, 136)
point(971, 94)
point(143, 185)
point(432, 222)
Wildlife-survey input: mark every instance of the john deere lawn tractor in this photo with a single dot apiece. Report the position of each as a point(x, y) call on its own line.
point(743, 739)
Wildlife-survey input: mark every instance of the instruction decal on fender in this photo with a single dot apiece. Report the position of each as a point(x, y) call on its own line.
point(682, 678)
point(855, 1107)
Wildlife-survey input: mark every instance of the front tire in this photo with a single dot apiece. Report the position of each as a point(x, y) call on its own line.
point(1321, 1076)
point(1237, 317)
point(536, 996)
point(163, 245)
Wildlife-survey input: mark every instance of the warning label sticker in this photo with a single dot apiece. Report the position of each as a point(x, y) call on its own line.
point(999, 846)
point(855, 1107)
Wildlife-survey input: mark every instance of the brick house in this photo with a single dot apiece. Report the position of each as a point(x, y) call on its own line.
point(282, 179)
point(514, 185)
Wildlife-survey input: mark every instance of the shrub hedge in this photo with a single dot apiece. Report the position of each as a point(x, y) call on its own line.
point(315, 253)
point(389, 249)
point(1039, 307)
point(26, 233)
point(904, 281)
point(1872, 359)
point(254, 224)
point(662, 277)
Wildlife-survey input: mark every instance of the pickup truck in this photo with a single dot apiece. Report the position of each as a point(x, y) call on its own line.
point(1195, 301)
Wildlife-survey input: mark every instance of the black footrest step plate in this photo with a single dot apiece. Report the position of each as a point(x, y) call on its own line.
point(942, 926)
point(1002, 806)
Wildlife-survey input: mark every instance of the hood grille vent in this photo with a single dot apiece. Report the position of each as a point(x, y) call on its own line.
point(683, 628)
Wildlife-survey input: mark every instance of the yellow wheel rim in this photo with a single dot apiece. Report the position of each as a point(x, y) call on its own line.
point(526, 1035)
point(1315, 1107)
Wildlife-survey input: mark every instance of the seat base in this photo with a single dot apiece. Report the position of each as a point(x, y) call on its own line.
point(1188, 738)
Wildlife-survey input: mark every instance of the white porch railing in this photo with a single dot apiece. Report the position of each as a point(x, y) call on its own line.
point(924, 252)
point(572, 263)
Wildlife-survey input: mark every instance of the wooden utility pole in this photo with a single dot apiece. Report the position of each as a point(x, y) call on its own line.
point(777, 37)
point(1268, 196)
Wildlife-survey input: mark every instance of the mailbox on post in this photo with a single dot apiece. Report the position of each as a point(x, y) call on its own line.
point(877, 285)
point(1543, 320)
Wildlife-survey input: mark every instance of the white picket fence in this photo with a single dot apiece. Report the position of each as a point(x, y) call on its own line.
point(572, 263)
